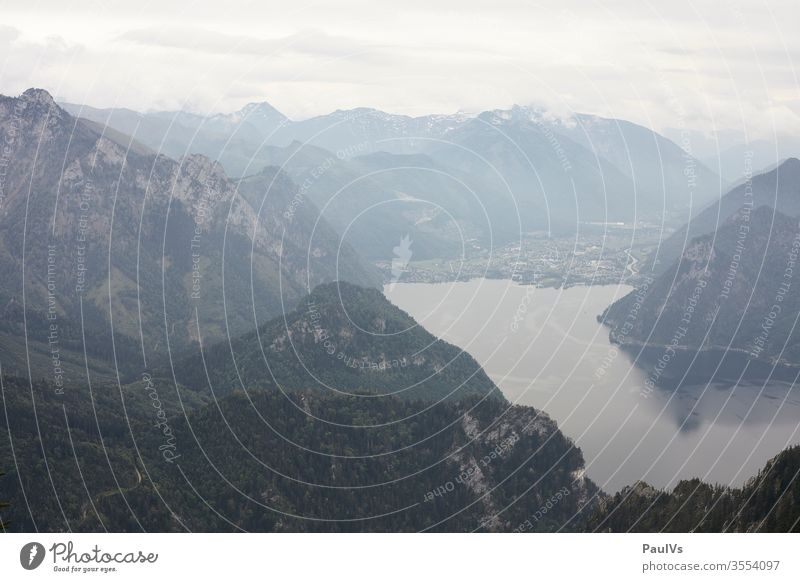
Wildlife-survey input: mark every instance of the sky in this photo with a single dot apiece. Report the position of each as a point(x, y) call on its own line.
point(705, 65)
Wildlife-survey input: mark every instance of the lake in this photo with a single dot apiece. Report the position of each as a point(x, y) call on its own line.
point(544, 348)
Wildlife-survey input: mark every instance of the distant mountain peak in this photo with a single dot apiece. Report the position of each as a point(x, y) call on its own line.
point(38, 96)
point(792, 164)
point(785, 172)
point(359, 111)
point(261, 109)
point(37, 103)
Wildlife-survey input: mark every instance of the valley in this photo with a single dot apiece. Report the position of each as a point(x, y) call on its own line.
point(195, 338)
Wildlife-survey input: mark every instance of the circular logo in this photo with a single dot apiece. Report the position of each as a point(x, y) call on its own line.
point(31, 555)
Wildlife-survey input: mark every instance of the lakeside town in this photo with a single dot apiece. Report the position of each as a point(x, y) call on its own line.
point(611, 255)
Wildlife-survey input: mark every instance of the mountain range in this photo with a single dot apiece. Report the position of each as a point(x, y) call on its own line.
point(183, 350)
point(105, 244)
point(174, 359)
point(492, 175)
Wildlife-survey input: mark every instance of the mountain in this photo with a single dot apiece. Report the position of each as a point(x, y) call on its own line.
point(666, 176)
point(266, 461)
point(735, 161)
point(778, 188)
point(117, 261)
point(733, 153)
point(235, 139)
point(620, 170)
point(230, 138)
point(532, 178)
point(768, 502)
point(254, 120)
point(345, 130)
point(556, 173)
point(727, 308)
point(342, 339)
point(377, 199)
point(107, 246)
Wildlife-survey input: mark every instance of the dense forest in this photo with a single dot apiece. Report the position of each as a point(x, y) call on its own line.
point(768, 502)
point(731, 279)
point(264, 461)
point(3, 506)
point(341, 338)
point(727, 308)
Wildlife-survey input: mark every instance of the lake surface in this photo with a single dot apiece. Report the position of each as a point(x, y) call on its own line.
point(545, 348)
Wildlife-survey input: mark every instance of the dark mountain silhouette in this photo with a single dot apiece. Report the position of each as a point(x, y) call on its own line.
point(732, 297)
point(768, 502)
point(778, 188)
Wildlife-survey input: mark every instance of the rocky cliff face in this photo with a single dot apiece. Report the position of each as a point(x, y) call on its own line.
point(99, 236)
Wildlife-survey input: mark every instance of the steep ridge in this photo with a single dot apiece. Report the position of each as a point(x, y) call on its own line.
point(778, 188)
point(732, 296)
point(341, 339)
point(100, 236)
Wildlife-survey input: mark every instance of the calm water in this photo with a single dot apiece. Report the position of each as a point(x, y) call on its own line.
point(545, 348)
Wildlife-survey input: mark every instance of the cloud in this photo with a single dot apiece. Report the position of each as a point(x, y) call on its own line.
point(313, 43)
point(731, 67)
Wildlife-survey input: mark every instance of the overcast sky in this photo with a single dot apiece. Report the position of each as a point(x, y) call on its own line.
point(702, 64)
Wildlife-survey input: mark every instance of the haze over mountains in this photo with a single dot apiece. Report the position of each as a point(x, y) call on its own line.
point(732, 293)
point(116, 259)
point(486, 177)
point(378, 198)
point(101, 235)
point(778, 188)
point(729, 152)
point(210, 338)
